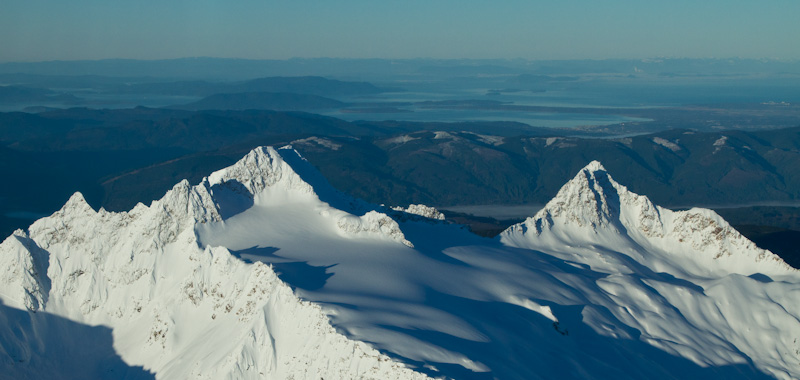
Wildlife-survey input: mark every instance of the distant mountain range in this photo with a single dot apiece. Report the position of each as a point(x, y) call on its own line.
point(273, 93)
point(310, 85)
point(240, 69)
point(19, 94)
point(676, 167)
point(278, 101)
point(145, 150)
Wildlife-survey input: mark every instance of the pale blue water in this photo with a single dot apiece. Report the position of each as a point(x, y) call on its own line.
point(537, 119)
point(526, 98)
point(602, 92)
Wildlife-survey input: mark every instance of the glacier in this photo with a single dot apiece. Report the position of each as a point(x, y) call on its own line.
point(263, 270)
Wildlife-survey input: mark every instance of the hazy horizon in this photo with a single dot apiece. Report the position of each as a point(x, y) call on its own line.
point(45, 30)
point(643, 59)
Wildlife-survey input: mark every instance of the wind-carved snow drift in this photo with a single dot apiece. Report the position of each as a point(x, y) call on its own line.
point(600, 284)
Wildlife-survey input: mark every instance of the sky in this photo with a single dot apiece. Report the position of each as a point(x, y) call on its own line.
point(37, 30)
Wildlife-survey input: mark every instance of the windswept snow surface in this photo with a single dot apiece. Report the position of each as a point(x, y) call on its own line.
point(599, 284)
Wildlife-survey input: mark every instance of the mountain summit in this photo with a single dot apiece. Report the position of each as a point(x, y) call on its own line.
point(593, 209)
point(263, 270)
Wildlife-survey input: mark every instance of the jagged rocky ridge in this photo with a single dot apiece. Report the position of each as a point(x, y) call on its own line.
point(601, 283)
point(176, 309)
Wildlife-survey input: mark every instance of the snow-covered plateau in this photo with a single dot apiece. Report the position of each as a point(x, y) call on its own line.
point(263, 270)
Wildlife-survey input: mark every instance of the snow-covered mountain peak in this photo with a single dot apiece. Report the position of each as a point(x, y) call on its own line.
point(593, 209)
point(268, 181)
point(266, 173)
point(591, 199)
point(76, 205)
point(594, 166)
point(261, 168)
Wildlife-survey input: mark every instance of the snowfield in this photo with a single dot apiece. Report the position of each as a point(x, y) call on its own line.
point(263, 270)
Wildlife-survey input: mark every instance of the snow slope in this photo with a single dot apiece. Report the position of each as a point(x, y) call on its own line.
point(599, 284)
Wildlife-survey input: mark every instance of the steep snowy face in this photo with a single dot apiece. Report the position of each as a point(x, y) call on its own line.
point(24, 279)
point(594, 210)
point(174, 308)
